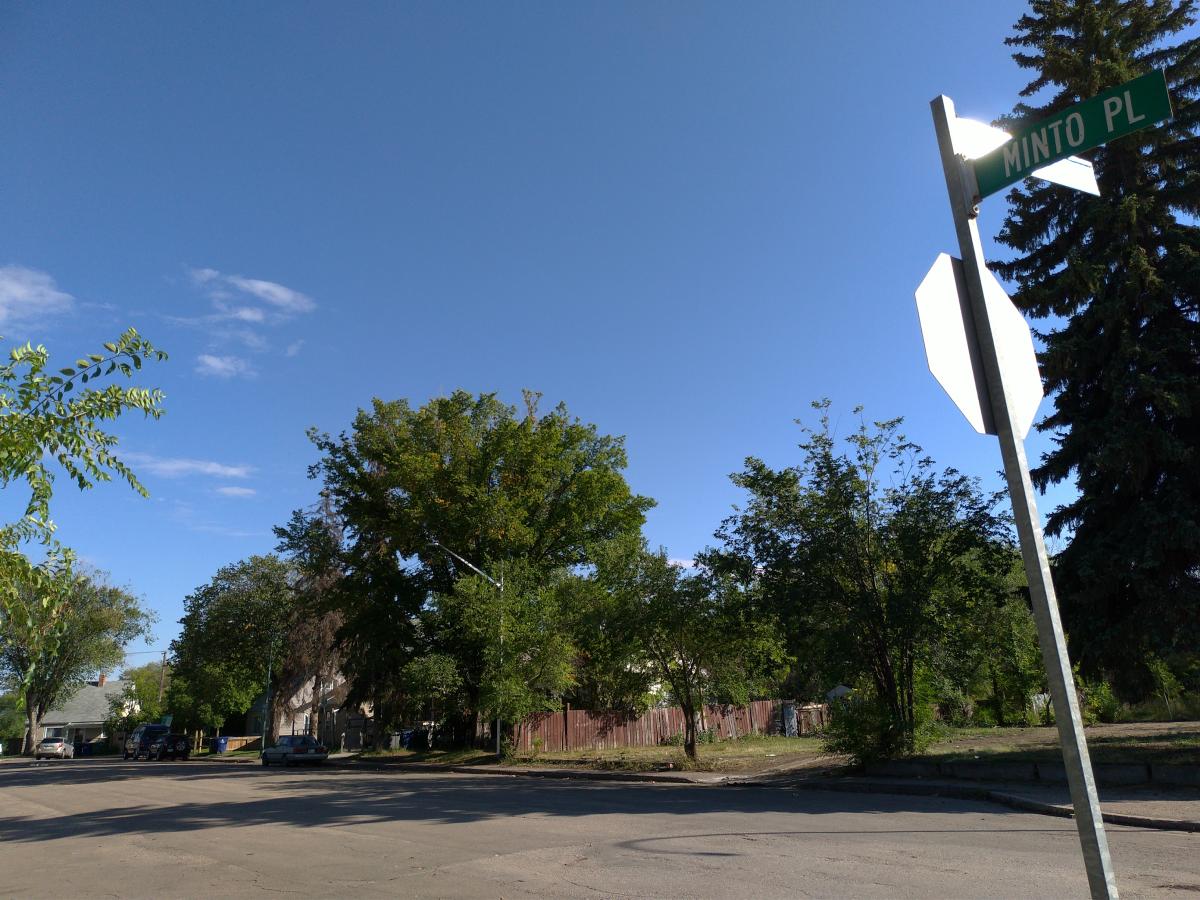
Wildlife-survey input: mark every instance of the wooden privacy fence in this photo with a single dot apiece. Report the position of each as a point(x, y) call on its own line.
point(579, 729)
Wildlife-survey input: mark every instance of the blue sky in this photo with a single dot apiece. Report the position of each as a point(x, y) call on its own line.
point(685, 220)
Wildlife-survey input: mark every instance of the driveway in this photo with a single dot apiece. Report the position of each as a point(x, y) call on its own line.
point(106, 827)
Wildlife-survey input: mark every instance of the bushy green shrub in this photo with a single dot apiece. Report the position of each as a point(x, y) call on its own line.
point(984, 717)
point(1167, 688)
point(864, 729)
point(1101, 703)
point(955, 708)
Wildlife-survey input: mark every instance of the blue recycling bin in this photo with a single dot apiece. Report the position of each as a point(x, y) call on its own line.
point(220, 744)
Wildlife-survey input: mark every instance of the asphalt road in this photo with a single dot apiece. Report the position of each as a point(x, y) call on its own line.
point(205, 829)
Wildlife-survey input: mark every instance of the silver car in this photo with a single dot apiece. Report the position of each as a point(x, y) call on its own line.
point(295, 748)
point(53, 748)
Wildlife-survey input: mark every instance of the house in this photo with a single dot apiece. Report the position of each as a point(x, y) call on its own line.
point(81, 719)
point(341, 726)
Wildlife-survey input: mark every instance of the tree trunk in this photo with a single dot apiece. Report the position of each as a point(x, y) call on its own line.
point(689, 730)
point(314, 711)
point(34, 711)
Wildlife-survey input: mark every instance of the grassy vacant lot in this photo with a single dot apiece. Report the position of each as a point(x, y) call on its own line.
point(754, 754)
point(1127, 742)
point(1138, 742)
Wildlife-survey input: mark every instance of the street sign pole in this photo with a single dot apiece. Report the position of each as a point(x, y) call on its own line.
point(960, 183)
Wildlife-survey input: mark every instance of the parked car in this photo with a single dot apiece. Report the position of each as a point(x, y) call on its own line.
point(53, 748)
point(141, 738)
point(295, 748)
point(170, 746)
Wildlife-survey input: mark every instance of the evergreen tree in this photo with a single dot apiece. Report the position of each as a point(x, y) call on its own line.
point(1116, 279)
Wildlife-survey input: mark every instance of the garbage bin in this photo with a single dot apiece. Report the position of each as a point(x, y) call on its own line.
point(789, 719)
point(220, 744)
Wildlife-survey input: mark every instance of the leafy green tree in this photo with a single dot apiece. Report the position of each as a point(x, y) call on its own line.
point(876, 571)
point(233, 630)
point(521, 636)
point(610, 668)
point(46, 417)
point(1011, 660)
point(1116, 279)
point(700, 634)
point(140, 701)
point(990, 663)
point(91, 621)
point(431, 683)
point(530, 494)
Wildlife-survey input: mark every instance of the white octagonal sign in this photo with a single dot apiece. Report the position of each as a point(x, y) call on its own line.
point(950, 346)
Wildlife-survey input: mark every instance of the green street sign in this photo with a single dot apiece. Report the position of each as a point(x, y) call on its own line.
point(1118, 111)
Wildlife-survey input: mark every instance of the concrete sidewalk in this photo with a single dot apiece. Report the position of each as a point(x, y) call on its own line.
point(1170, 808)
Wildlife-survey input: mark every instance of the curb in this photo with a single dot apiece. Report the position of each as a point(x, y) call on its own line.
point(1003, 798)
point(565, 774)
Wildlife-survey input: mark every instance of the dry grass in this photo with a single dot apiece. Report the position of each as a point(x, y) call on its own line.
point(746, 755)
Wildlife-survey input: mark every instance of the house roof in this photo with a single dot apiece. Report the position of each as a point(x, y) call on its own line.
point(88, 707)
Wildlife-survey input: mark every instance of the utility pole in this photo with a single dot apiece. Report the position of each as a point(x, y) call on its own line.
point(267, 697)
point(162, 676)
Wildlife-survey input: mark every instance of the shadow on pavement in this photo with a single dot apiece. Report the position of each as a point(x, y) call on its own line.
point(317, 798)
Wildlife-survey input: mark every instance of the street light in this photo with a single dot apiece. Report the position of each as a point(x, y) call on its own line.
point(498, 585)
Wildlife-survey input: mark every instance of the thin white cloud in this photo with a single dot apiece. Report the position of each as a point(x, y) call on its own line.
point(176, 467)
point(247, 337)
point(294, 348)
point(27, 295)
point(282, 301)
point(226, 531)
point(277, 295)
point(682, 563)
point(222, 366)
point(240, 492)
point(184, 514)
point(242, 311)
point(248, 314)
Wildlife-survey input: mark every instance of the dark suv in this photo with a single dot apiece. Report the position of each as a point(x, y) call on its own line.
point(156, 742)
